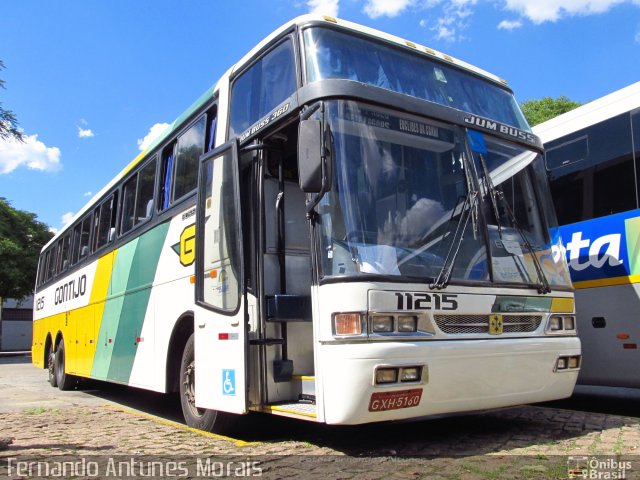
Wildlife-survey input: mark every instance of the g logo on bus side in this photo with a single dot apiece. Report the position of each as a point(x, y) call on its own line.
point(188, 245)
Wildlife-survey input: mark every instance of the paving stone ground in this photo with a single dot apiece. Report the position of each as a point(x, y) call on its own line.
point(522, 442)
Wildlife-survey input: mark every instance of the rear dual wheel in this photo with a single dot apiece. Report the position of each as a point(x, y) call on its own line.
point(51, 358)
point(63, 380)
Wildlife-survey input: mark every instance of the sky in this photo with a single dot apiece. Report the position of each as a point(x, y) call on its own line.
point(90, 81)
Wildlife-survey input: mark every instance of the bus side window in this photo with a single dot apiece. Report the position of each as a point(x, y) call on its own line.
point(212, 119)
point(105, 222)
point(190, 147)
point(262, 87)
point(80, 240)
point(64, 253)
point(128, 204)
point(45, 267)
point(164, 190)
point(42, 269)
point(144, 193)
point(53, 261)
point(137, 203)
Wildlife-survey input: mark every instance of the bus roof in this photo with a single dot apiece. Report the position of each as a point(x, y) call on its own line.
point(616, 103)
point(248, 58)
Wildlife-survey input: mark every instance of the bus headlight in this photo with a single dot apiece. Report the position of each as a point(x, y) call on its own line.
point(555, 323)
point(386, 375)
point(561, 324)
point(382, 324)
point(569, 323)
point(567, 363)
point(410, 374)
point(407, 323)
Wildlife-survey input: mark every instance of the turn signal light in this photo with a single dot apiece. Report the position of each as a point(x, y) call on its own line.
point(347, 323)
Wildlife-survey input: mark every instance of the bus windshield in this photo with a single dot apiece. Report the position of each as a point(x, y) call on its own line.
point(331, 54)
point(409, 199)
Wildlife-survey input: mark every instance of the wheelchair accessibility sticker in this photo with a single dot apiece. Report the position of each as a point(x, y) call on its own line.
point(229, 382)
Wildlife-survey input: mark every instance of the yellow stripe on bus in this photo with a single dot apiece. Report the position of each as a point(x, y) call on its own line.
point(562, 305)
point(608, 282)
point(133, 163)
point(88, 319)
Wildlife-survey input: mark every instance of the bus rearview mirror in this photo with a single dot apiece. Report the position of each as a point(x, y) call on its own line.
point(310, 155)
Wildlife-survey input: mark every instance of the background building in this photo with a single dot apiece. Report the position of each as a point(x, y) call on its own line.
point(16, 322)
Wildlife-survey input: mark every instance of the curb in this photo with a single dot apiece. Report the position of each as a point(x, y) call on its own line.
point(15, 354)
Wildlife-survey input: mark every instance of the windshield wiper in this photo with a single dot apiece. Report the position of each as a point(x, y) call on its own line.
point(469, 211)
point(543, 285)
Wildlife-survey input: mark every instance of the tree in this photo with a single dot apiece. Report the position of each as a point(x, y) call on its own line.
point(538, 111)
point(21, 238)
point(8, 120)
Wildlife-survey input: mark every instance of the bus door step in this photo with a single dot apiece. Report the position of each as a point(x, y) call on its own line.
point(306, 411)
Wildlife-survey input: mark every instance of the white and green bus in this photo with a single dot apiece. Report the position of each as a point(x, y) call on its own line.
point(347, 228)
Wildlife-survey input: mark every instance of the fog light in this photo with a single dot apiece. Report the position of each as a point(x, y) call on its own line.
point(574, 362)
point(569, 323)
point(347, 324)
point(387, 375)
point(555, 324)
point(407, 323)
point(561, 364)
point(410, 374)
point(382, 324)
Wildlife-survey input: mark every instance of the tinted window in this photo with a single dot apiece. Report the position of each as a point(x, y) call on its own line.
point(331, 54)
point(53, 260)
point(168, 155)
point(265, 85)
point(190, 147)
point(570, 152)
point(594, 164)
point(614, 188)
point(105, 222)
point(128, 203)
point(635, 125)
point(137, 197)
point(567, 194)
point(45, 267)
point(81, 240)
point(65, 253)
point(84, 237)
point(144, 194)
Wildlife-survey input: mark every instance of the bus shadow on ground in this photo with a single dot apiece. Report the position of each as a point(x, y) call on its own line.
point(461, 435)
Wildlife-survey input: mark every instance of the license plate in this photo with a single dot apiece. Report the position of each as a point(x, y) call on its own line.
point(381, 401)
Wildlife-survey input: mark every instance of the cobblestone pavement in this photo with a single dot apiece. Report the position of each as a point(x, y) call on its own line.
point(522, 442)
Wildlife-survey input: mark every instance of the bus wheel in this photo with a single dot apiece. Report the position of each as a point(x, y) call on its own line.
point(200, 418)
point(51, 363)
point(64, 380)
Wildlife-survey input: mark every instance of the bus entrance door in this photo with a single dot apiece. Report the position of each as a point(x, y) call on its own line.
point(220, 333)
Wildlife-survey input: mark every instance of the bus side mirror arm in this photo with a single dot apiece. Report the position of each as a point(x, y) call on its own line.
point(312, 161)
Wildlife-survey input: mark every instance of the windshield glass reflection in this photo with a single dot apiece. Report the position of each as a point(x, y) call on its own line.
point(409, 199)
point(331, 54)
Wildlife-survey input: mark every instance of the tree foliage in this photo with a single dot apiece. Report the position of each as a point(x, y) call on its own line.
point(21, 239)
point(8, 120)
point(538, 111)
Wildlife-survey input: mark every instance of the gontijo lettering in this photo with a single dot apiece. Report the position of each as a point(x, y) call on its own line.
point(70, 290)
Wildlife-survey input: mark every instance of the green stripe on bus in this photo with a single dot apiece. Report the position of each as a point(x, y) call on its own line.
point(112, 310)
point(142, 271)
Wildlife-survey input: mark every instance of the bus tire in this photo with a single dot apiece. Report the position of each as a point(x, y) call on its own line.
point(64, 380)
point(200, 418)
point(51, 366)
